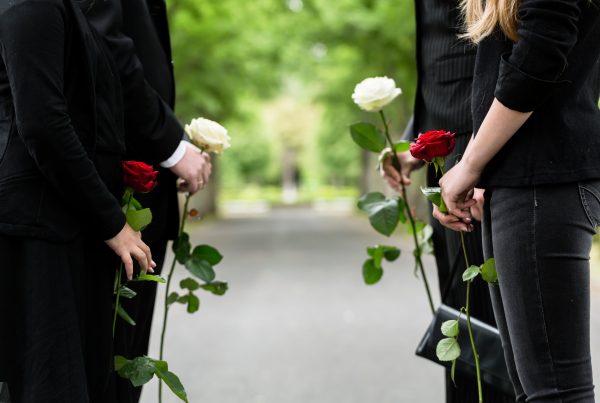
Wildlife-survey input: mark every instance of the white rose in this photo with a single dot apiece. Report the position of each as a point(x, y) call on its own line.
point(208, 135)
point(372, 94)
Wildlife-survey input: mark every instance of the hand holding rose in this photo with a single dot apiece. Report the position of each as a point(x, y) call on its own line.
point(457, 187)
point(194, 169)
point(388, 171)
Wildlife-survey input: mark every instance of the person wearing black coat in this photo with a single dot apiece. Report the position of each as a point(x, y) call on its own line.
point(61, 143)
point(72, 105)
point(536, 151)
point(445, 67)
point(145, 23)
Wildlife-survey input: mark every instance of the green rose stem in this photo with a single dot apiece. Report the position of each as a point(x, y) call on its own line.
point(184, 215)
point(468, 309)
point(129, 195)
point(411, 219)
point(468, 314)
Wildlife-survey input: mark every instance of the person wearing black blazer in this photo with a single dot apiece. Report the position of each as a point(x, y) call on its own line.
point(62, 140)
point(182, 159)
point(445, 67)
point(145, 23)
point(536, 151)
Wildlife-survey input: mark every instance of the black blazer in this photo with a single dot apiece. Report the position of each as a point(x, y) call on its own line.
point(146, 23)
point(138, 29)
point(554, 70)
point(445, 67)
point(153, 130)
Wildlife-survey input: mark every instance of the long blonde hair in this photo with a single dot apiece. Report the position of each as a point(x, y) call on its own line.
point(482, 19)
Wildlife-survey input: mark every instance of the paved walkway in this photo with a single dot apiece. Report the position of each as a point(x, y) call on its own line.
point(299, 326)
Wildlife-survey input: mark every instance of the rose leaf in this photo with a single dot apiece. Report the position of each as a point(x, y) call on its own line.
point(371, 273)
point(447, 349)
point(368, 137)
point(488, 271)
point(471, 273)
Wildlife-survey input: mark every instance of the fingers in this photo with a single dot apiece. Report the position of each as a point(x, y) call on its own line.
point(148, 254)
point(451, 221)
point(128, 245)
point(388, 171)
point(128, 263)
point(188, 187)
point(140, 257)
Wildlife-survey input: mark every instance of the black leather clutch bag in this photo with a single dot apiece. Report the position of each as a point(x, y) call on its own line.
point(487, 341)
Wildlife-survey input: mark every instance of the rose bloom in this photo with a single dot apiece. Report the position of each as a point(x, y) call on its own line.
point(433, 144)
point(208, 135)
point(139, 176)
point(372, 94)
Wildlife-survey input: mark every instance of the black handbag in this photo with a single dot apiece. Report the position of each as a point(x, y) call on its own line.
point(487, 340)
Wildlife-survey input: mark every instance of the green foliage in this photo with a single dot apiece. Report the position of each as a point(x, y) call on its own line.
point(434, 195)
point(232, 58)
point(366, 136)
point(216, 287)
point(141, 370)
point(488, 271)
point(149, 277)
point(450, 328)
point(182, 247)
point(124, 315)
point(448, 349)
point(201, 269)
point(139, 219)
point(208, 253)
point(401, 146)
point(189, 284)
point(371, 273)
point(471, 273)
point(383, 213)
point(372, 269)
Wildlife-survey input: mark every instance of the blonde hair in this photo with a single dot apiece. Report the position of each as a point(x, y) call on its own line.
point(482, 19)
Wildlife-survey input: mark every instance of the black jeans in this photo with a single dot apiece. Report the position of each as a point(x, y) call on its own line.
point(541, 238)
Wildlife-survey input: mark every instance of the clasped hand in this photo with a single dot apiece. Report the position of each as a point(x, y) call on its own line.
point(458, 191)
point(463, 201)
point(194, 169)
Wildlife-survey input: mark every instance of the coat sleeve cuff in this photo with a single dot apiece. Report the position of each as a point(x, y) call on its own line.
point(520, 91)
point(112, 224)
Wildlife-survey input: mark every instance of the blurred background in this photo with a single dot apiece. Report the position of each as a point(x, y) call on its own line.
point(298, 324)
point(279, 75)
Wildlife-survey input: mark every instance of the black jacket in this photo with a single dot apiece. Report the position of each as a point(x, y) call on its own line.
point(49, 186)
point(553, 70)
point(445, 66)
point(138, 29)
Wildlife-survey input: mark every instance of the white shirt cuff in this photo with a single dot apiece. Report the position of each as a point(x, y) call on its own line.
point(176, 156)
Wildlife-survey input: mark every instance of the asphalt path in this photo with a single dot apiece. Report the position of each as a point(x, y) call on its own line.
point(298, 324)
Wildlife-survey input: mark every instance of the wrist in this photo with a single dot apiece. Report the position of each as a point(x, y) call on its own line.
point(472, 163)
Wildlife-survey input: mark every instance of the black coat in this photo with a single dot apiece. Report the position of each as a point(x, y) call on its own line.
point(138, 34)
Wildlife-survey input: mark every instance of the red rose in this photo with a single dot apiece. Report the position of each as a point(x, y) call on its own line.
point(433, 144)
point(139, 176)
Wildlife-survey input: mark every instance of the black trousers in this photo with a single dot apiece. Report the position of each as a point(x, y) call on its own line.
point(541, 238)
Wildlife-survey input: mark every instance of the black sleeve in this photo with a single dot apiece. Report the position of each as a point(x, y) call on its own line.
point(152, 130)
point(32, 35)
point(547, 34)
